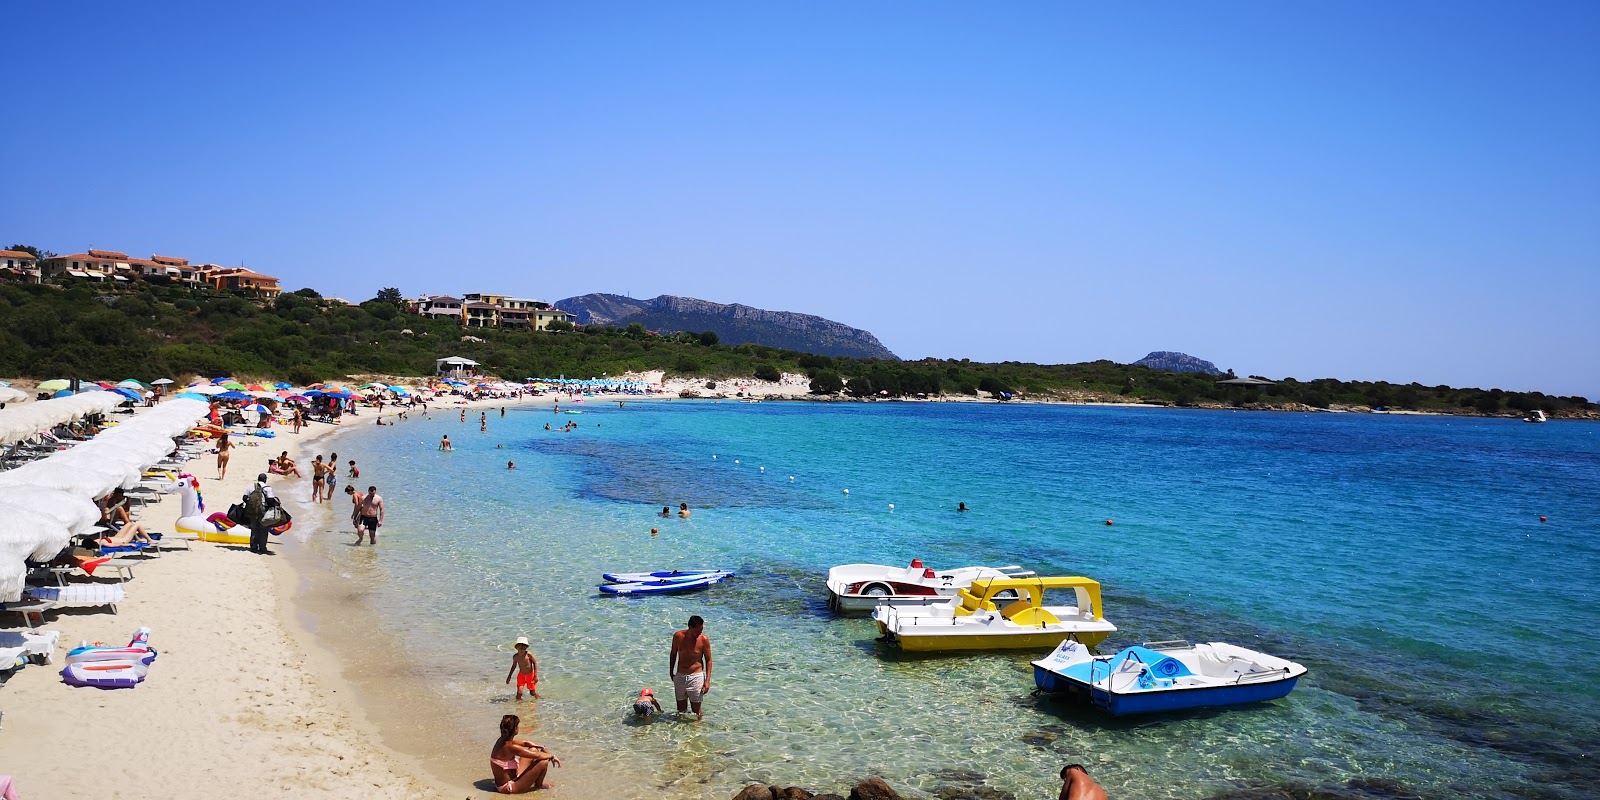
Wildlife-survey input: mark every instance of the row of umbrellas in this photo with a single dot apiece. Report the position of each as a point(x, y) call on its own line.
point(45, 503)
point(27, 420)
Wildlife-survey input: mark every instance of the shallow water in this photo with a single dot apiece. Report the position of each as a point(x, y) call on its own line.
point(1451, 636)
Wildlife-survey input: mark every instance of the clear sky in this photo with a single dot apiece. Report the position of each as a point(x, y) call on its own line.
point(1363, 190)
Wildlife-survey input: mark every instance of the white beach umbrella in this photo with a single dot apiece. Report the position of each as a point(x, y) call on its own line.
point(24, 532)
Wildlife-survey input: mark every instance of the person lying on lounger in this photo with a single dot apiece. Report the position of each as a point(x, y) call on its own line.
point(129, 533)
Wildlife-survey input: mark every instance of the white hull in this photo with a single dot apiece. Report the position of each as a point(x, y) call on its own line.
point(861, 587)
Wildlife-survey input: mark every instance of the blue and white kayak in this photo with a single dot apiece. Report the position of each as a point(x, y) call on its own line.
point(1165, 676)
point(671, 575)
point(663, 586)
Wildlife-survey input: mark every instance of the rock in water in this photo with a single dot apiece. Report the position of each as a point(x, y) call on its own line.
point(793, 793)
point(873, 789)
point(1177, 362)
point(754, 791)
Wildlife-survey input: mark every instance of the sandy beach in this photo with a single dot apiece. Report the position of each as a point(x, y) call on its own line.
point(242, 696)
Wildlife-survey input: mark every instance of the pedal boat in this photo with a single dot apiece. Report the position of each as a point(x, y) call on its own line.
point(1165, 676)
point(972, 621)
point(860, 587)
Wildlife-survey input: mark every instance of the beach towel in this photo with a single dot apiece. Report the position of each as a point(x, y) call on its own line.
point(31, 643)
point(81, 594)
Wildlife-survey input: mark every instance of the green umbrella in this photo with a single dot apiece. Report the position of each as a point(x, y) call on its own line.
point(54, 385)
point(134, 383)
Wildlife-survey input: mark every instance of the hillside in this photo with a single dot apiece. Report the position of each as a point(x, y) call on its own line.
point(733, 323)
point(148, 330)
point(1177, 362)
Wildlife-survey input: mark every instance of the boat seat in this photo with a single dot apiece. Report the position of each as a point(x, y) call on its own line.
point(1023, 612)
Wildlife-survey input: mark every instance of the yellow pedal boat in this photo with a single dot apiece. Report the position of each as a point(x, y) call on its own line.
point(971, 620)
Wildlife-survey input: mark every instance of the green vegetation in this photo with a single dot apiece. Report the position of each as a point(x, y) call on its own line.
point(151, 329)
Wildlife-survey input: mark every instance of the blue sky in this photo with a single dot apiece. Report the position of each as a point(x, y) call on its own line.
point(1395, 191)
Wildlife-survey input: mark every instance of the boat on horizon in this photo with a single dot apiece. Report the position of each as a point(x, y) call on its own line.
point(1165, 676)
point(861, 587)
point(972, 620)
point(1536, 415)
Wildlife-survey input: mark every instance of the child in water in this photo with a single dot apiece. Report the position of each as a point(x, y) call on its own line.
point(526, 668)
point(646, 705)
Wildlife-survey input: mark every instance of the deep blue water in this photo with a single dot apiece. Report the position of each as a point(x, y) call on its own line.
point(1451, 636)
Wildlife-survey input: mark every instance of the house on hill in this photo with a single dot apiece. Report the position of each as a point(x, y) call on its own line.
point(94, 265)
point(22, 263)
point(244, 281)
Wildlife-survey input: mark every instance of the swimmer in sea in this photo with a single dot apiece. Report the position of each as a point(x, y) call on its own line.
point(511, 465)
point(961, 507)
point(1077, 785)
point(683, 510)
point(666, 511)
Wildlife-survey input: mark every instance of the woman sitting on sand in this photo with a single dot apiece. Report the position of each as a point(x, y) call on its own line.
point(519, 766)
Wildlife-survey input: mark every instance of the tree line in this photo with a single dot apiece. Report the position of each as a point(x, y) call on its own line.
point(153, 328)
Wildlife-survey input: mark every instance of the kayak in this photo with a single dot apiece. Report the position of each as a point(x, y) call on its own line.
point(672, 575)
point(660, 588)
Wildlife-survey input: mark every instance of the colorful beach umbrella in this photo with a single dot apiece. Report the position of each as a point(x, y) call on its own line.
point(297, 398)
point(221, 380)
point(191, 396)
point(255, 387)
point(282, 385)
point(161, 382)
point(131, 394)
point(133, 383)
point(234, 396)
point(55, 385)
point(63, 393)
point(258, 408)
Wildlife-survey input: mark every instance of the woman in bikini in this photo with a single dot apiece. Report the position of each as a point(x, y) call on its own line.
point(223, 446)
point(519, 766)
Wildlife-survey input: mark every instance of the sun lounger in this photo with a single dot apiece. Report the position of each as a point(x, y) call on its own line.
point(82, 594)
point(29, 644)
point(29, 609)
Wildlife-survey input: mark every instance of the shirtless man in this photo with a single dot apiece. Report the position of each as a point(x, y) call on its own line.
point(369, 511)
point(1077, 785)
point(683, 510)
point(689, 664)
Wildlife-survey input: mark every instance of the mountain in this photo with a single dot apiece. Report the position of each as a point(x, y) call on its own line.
point(733, 323)
point(1177, 362)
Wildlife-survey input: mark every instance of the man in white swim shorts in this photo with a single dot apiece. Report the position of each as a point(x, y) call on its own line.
point(689, 664)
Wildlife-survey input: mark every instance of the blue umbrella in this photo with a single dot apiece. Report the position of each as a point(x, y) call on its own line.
point(191, 396)
point(221, 380)
point(258, 408)
point(314, 393)
point(128, 393)
point(63, 393)
point(341, 395)
point(234, 396)
point(282, 385)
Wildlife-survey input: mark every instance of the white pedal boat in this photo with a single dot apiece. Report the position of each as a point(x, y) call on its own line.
point(860, 587)
point(972, 620)
point(1166, 676)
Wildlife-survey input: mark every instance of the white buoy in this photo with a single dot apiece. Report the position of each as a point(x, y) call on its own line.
point(763, 469)
point(736, 461)
point(713, 456)
point(847, 491)
point(791, 477)
point(891, 506)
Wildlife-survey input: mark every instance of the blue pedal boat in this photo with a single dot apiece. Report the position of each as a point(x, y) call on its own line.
point(666, 586)
point(1165, 676)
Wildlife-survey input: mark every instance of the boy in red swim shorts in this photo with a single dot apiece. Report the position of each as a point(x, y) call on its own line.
point(526, 668)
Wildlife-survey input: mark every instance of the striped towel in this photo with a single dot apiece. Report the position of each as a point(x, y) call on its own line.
point(81, 594)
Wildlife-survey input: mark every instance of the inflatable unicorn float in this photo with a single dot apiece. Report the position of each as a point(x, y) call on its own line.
point(215, 527)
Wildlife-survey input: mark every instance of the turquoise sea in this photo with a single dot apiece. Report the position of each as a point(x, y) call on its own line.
point(1453, 639)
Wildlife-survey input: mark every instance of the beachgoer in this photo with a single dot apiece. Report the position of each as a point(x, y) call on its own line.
point(962, 506)
point(502, 411)
point(463, 415)
point(646, 705)
point(666, 511)
point(526, 668)
point(318, 473)
point(286, 465)
point(330, 478)
point(547, 426)
point(128, 533)
point(444, 444)
point(483, 426)
point(258, 531)
point(1077, 785)
point(511, 776)
point(689, 664)
point(355, 512)
point(371, 509)
point(683, 510)
point(511, 465)
point(114, 508)
point(354, 473)
point(223, 446)
point(379, 422)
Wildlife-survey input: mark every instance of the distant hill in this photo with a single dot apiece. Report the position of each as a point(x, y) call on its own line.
point(1177, 362)
point(733, 323)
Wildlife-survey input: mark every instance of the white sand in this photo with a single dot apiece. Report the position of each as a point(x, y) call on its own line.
point(238, 699)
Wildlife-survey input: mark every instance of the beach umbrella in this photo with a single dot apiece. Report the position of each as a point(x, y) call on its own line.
point(357, 396)
point(221, 380)
point(316, 386)
point(264, 394)
point(161, 381)
point(282, 393)
point(314, 393)
point(234, 385)
point(341, 394)
point(234, 396)
point(133, 384)
point(131, 394)
point(255, 387)
point(282, 385)
point(258, 408)
point(191, 396)
point(400, 390)
point(297, 398)
point(374, 385)
point(63, 393)
point(54, 385)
